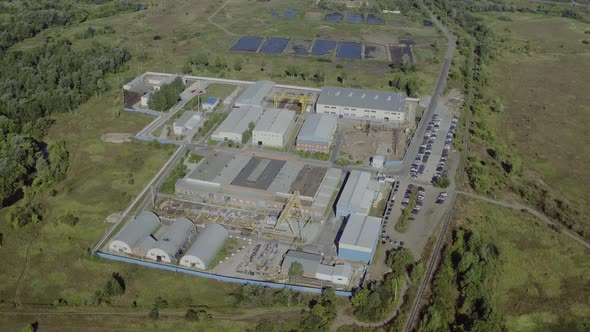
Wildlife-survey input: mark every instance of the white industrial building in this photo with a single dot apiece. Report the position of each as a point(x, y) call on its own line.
point(360, 237)
point(253, 95)
point(208, 243)
point(358, 194)
point(273, 128)
point(313, 268)
point(169, 244)
point(362, 104)
point(189, 120)
point(317, 133)
point(236, 123)
point(134, 232)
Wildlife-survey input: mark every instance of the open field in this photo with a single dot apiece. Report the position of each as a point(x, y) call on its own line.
point(546, 105)
point(544, 282)
point(171, 32)
point(102, 179)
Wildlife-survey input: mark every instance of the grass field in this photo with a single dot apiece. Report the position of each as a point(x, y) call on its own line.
point(544, 284)
point(547, 107)
point(167, 34)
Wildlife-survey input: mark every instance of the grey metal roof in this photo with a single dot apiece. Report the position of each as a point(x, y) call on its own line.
point(254, 94)
point(188, 116)
point(138, 228)
point(310, 262)
point(208, 243)
point(362, 99)
point(175, 236)
point(275, 121)
point(317, 128)
point(356, 196)
point(361, 231)
point(238, 120)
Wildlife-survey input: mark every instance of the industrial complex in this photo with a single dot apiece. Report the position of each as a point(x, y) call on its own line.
point(249, 208)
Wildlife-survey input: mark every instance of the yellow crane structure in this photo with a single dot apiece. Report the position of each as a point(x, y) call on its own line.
point(302, 99)
point(292, 213)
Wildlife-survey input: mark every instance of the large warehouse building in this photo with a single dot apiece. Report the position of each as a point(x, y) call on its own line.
point(201, 254)
point(169, 244)
point(360, 237)
point(259, 182)
point(273, 128)
point(254, 94)
point(362, 104)
point(358, 194)
point(236, 123)
point(317, 133)
point(129, 238)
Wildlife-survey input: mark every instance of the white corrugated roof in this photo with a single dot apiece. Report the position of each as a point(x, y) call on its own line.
point(361, 231)
point(275, 121)
point(238, 120)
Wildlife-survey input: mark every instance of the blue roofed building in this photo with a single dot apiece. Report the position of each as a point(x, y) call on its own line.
point(210, 104)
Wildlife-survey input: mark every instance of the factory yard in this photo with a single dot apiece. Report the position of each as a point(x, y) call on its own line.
point(254, 203)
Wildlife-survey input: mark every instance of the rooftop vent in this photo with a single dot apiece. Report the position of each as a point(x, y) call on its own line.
point(338, 93)
point(350, 94)
point(389, 98)
point(363, 96)
point(376, 97)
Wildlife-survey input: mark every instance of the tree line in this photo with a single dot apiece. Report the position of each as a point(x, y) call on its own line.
point(167, 96)
point(53, 78)
point(27, 18)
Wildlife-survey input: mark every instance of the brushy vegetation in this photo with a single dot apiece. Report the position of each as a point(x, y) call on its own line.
point(464, 289)
point(167, 96)
point(377, 300)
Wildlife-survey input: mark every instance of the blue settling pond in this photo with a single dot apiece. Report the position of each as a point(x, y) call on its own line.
point(291, 13)
point(274, 46)
point(372, 19)
point(348, 50)
point(427, 23)
point(334, 17)
point(323, 47)
point(247, 44)
point(355, 18)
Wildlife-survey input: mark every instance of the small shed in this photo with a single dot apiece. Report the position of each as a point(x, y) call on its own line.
point(189, 120)
point(210, 104)
point(171, 242)
point(208, 243)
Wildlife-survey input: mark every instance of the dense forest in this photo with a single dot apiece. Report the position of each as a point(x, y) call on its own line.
point(49, 79)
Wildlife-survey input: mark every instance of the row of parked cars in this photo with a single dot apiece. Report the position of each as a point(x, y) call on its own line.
point(445, 152)
point(425, 149)
point(419, 201)
point(388, 210)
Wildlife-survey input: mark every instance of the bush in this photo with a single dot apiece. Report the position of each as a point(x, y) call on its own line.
point(154, 314)
point(442, 182)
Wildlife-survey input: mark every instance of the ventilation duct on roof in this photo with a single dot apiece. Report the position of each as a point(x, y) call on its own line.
point(350, 94)
point(363, 96)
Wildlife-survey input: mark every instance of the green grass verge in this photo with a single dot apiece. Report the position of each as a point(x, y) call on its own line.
point(544, 283)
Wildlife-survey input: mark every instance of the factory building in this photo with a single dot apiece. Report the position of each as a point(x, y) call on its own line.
point(140, 227)
point(257, 182)
point(317, 133)
point(189, 120)
point(210, 104)
point(253, 95)
point(314, 268)
point(358, 194)
point(360, 237)
point(273, 128)
point(169, 244)
point(362, 104)
point(203, 251)
point(236, 123)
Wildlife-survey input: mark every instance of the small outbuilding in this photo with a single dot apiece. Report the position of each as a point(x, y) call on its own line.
point(134, 232)
point(202, 252)
point(236, 123)
point(189, 120)
point(337, 274)
point(170, 243)
point(210, 104)
point(378, 161)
